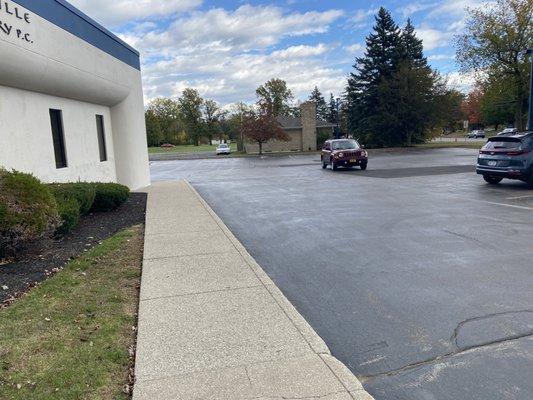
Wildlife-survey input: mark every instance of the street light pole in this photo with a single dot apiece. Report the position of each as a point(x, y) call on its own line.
point(338, 133)
point(530, 112)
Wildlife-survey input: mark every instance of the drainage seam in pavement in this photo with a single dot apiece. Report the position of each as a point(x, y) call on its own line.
point(187, 255)
point(199, 293)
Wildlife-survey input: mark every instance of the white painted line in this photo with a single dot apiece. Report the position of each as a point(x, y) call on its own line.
point(520, 197)
point(509, 205)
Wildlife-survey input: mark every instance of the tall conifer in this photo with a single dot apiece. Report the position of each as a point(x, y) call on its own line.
point(321, 107)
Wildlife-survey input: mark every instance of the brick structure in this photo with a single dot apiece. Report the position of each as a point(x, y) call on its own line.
point(301, 131)
point(309, 123)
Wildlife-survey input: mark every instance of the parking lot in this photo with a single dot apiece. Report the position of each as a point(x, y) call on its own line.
point(416, 273)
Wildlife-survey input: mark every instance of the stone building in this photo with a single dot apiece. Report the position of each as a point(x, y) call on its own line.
point(301, 131)
point(71, 98)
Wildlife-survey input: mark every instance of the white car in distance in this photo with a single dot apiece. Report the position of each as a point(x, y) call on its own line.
point(223, 148)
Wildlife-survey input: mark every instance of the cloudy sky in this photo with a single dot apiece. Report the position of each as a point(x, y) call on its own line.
point(226, 49)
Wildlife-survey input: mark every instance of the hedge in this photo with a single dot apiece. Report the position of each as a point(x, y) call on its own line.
point(109, 196)
point(28, 210)
point(69, 211)
point(89, 197)
point(84, 193)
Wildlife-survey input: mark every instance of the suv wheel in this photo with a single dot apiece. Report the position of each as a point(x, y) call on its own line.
point(333, 165)
point(363, 166)
point(529, 179)
point(493, 180)
point(324, 165)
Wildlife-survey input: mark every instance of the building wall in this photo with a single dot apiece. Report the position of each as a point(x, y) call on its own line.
point(276, 146)
point(28, 137)
point(308, 112)
point(303, 139)
point(40, 57)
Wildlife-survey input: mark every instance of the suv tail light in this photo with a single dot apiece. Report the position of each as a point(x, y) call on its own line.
point(507, 153)
point(516, 153)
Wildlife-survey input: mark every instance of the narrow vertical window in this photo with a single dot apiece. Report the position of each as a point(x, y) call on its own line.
point(58, 136)
point(101, 137)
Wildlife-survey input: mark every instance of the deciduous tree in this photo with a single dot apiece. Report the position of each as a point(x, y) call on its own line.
point(276, 96)
point(190, 105)
point(260, 126)
point(164, 122)
point(213, 115)
point(493, 45)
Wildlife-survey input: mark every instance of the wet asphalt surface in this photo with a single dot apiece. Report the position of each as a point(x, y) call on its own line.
point(417, 274)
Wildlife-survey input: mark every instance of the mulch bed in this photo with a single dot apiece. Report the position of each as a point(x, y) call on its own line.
point(44, 258)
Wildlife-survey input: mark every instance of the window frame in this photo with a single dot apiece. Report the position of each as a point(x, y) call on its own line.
point(58, 138)
point(100, 132)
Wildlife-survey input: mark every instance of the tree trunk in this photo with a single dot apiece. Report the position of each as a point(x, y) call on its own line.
point(518, 116)
point(260, 148)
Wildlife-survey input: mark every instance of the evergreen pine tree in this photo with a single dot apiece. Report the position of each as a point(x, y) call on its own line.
point(383, 53)
point(332, 110)
point(321, 107)
point(410, 96)
point(412, 50)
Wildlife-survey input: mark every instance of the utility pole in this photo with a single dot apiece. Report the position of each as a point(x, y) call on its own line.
point(530, 112)
point(338, 132)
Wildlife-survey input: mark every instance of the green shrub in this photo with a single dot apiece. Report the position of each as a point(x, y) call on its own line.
point(69, 211)
point(83, 192)
point(109, 196)
point(28, 210)
point(321, 137)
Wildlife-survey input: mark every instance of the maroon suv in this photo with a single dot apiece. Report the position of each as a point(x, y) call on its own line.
point(343, 153)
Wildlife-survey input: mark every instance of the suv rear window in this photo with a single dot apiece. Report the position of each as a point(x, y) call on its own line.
point(503, 143)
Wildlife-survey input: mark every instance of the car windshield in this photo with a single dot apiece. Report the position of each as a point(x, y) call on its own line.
point(223, 146)
point(345, 145)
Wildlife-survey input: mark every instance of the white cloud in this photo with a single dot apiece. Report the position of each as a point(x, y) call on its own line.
point(440, 57)
point(228, 77)
point(116, 12)
point(461, 81)
point(363, 17)
point(227, 54)
point(246, 28)
point(434, 38)
point(413, 8)
point(301, 51)
point(454, 8)
point(356, 49)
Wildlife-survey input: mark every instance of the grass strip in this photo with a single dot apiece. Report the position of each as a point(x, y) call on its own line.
point(72, 337)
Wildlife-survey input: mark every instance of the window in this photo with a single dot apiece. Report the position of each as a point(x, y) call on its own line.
point(348, 144)
point(101, 137)
point(56, 119)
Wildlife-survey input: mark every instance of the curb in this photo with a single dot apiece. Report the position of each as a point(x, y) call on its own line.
point(350, 382)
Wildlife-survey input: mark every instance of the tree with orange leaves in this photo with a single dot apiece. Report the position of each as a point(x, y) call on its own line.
point(261, 126)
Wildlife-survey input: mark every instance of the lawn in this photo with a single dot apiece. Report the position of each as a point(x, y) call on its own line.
point(189, 149)
point(438, 145)
point(462, 134)
point(72, 336)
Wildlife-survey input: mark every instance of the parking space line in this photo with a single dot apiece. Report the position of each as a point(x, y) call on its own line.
point(529, 196)
point(509, 205)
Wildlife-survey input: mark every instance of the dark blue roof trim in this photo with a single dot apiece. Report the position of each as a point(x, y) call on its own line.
point(69, 18)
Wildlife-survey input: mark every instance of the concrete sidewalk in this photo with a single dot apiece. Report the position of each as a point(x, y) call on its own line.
point(212, 325)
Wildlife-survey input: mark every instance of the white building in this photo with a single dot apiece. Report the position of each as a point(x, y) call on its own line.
point(71, 100)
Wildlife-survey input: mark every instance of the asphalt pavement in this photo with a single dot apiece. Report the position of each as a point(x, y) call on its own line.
point(416, 273)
